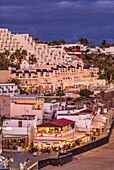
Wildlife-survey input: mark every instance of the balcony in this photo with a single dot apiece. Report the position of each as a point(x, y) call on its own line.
point(16, 91)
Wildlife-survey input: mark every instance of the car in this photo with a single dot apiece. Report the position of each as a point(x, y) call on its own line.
point(2, 159)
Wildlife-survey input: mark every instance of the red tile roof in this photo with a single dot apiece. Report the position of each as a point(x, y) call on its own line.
point(87, 111)
point(62, 122)
point(59, 122)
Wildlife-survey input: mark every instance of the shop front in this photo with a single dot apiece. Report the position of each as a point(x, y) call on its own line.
point(56, 134)
point(14, 143)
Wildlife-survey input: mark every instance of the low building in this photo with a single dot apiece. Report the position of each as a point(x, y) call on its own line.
point(50, 109)
point(27, 105)
point(56, 133)
point(83, 118)
point(25, 65)
point(18, 132)
point(9, 89)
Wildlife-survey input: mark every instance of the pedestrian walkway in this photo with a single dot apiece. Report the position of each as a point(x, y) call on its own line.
point(18, 158)
point(101, 158)
point(25, 156)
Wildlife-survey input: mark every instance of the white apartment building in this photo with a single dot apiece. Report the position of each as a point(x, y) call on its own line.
point(9, 89)
point(43, 53)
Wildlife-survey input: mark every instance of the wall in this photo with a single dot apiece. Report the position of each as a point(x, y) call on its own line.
point(52, 105)
point(4, 75)
point(0, 143)
point(61, 160)
point(82, 122)
point(25, 123)
point(25, 109)
point(108, 97)
point(5, 105)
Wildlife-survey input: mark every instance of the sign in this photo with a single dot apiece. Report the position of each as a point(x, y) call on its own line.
point(6, 128)
point(48, 135)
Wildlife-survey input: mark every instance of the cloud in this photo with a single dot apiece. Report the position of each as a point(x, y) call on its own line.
point(58, 19)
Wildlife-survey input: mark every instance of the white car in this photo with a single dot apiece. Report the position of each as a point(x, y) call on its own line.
point(3, 160)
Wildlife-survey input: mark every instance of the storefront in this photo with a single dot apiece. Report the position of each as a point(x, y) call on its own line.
point(15, 143)
point(57, 133)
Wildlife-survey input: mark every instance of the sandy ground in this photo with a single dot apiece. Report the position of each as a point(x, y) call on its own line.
point(101, 158)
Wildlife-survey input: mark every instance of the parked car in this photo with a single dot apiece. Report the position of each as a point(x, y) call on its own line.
point(3, 161)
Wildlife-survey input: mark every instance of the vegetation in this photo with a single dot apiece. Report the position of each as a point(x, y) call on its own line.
point(83, 41)
point(86, 93)
point(14, 80)
point(60, 92)
point(32, 59)
point(57, 42)
point(104, 44)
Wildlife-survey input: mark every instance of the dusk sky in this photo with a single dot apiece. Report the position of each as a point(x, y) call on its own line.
point(59, 19)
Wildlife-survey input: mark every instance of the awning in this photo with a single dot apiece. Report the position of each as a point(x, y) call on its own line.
point(14, 137)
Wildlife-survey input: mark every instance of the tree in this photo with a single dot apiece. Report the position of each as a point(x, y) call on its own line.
point(57, 42)
point(6, 53)
point(32, 59)
point(37, 41)
point(24, 54)
point(104, 44)
point(60, 92)
point(4, 64)
point(83, 41)
point(12, 58)
point(18, 55)
point(86, 93)
point(14, 80)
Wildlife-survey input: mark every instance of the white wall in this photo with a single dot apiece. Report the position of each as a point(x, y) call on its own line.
point(21, 109)
point(82, 122)
point(25, 123)
point(48, 105)
point(71, 111)
point(28, 128)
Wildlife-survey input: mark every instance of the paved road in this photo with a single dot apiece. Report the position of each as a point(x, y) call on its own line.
point(18, 158)
point(101, 158)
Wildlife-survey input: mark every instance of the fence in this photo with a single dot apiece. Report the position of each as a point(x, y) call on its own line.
point(61, 160)
point(92, 145)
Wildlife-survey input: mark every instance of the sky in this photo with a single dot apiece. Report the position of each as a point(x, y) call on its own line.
point(60, 19)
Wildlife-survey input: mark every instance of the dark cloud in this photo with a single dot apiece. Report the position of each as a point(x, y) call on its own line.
point(58, 19)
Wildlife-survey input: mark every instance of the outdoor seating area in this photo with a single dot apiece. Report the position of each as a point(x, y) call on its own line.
point(13, 144)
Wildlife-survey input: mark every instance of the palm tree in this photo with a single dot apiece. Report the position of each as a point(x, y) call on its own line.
point(24, 54)
point(4, 64)
point(14, 80)
point(60, 92)
point(12, 58)
point(32, 59)
point(18, 55)
point(83, 41)
point(37, 41)
point(104, 44)
point(6, 53)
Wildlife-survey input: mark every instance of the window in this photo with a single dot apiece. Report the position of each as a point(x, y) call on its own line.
point(50, 107)
point(20, 124)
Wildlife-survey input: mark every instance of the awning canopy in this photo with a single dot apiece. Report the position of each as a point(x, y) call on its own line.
point(13, 137)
